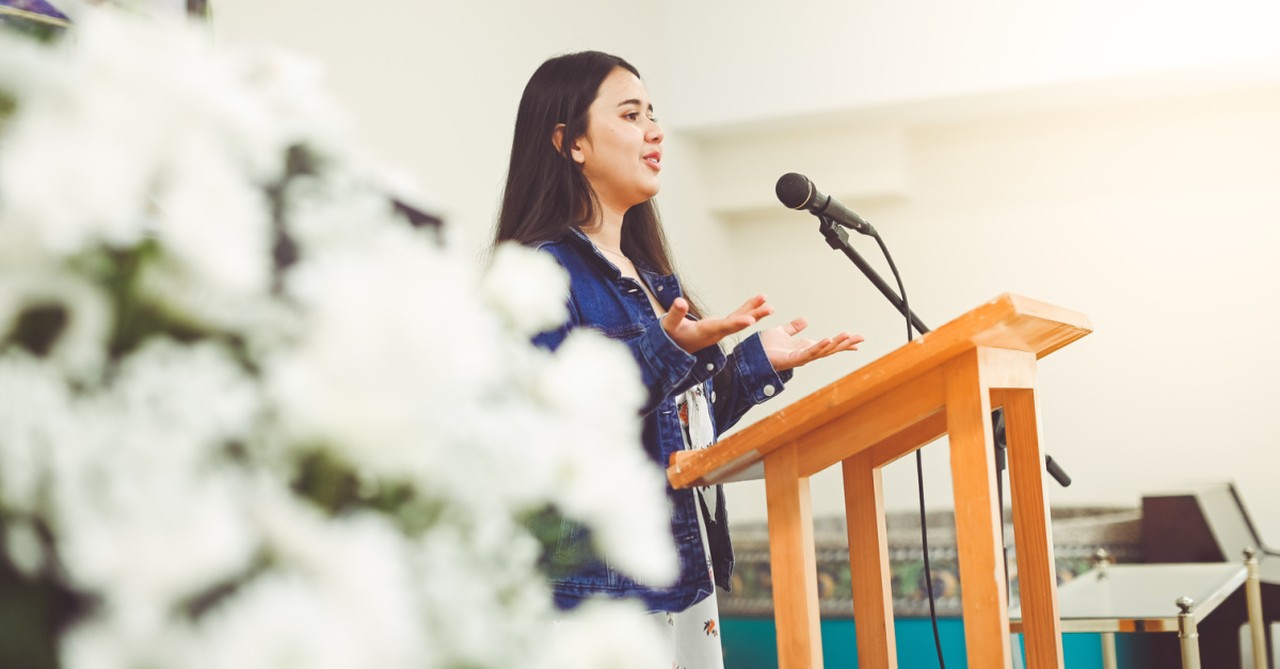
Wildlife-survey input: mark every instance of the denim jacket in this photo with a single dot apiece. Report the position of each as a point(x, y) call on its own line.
point(601, 298)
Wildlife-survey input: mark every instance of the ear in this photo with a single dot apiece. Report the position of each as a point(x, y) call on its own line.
point(557, 139)
point(557, 136)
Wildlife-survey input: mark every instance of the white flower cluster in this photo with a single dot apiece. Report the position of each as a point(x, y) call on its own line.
point(171, 383)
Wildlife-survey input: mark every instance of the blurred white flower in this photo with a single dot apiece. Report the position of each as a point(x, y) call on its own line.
point(25, 549)
point(141, 502)
point(285, 621)
point(213, 223)
point(79, 350)
point(527, 288)
point(596, 385)
point(279, 426)
point(603, 634)
point(105, 642)
point(397, 355)
point(34, 407)
point(342, 595)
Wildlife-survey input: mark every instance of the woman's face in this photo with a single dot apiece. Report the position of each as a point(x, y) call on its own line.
point(621, 152)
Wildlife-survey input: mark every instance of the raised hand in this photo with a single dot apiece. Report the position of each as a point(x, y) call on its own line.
point(787, 351)
point(693, 336)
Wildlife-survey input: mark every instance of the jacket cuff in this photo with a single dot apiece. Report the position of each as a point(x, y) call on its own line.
point(755, 373)
point(663, 358)
point(707, 363)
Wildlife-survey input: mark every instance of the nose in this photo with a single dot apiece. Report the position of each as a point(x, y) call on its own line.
point(654, 133)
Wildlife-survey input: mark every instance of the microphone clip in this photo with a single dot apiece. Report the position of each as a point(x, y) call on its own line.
point(856, 223)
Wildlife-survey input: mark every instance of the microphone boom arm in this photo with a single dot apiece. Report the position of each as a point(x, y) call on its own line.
point(838, 239)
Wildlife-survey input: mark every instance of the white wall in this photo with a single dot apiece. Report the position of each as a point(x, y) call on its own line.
point(742, 60)
point(1156, 219)
point(1118, 158)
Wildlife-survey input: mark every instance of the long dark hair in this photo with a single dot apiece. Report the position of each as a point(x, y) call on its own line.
point(546, 193)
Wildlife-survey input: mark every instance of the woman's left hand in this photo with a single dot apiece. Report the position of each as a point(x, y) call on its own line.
point(787, 351)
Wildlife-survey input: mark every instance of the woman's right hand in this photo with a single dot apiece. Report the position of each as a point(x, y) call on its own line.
point(693, 336)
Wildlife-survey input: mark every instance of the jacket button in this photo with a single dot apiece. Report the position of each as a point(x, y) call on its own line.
point(713, 397)
point(768, 390)
point(711, 366)
point(659, 289)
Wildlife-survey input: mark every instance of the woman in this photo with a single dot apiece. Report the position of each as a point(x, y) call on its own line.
point(585, 162)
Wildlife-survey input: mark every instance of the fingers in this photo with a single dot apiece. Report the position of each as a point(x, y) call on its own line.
point(795, 327)
point(848, 342)
point(695, 335)
point(675, 315)
point(757, 308)
point(828, 346)
point(841, 342)
point(723, 327)
point(820, 349)
point(751, 303)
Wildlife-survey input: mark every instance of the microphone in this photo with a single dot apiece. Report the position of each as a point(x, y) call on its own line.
point(797, 192)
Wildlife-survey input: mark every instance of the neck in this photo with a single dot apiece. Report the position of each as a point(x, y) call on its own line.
point(606, 231)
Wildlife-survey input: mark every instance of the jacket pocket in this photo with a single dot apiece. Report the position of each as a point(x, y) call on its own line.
point(572, 550)
point(623, 332)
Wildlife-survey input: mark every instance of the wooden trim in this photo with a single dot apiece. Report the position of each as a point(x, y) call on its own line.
point(869, 563)
point(1005, 368)
point(1037, 573)
point(793, 563)
point(984, 595)
point(872, 423)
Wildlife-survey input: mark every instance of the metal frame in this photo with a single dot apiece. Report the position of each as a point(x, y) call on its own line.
point(1111, 599)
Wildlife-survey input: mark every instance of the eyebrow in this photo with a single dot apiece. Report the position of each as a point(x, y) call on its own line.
point(634, 101)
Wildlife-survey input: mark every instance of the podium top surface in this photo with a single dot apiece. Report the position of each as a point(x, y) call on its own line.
point(1006, 322)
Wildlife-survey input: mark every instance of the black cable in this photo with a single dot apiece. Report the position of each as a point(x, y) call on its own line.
point(924, 527)
point(1001, 441)
point(928, 574)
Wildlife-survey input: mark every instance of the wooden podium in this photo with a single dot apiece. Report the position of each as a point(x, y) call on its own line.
point(946, 382)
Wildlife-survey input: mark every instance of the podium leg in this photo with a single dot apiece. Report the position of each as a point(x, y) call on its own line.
point(982, 586)
point(869, 563)
point(1032, 530)
point(793, 563)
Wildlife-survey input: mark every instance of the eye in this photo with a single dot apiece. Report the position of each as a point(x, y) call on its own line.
point(631, 116)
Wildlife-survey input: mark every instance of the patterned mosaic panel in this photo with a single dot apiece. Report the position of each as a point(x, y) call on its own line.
point(35, 7)
point(1078, 533)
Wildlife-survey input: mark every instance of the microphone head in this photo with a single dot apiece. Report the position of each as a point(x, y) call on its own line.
point(795, 190)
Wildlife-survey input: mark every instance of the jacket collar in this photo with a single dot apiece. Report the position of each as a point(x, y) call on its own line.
point(577, 237)
point(664, 286)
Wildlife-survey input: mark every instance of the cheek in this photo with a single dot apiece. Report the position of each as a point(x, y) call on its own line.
point(625, 140)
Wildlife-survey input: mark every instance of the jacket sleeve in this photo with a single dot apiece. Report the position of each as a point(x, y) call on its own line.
point(747, 379)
